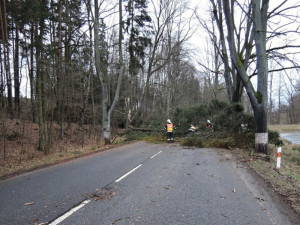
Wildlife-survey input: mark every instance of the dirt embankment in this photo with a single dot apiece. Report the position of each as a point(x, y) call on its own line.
point(19, 145)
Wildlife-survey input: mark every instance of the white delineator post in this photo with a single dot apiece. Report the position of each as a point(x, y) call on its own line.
point(278, 157)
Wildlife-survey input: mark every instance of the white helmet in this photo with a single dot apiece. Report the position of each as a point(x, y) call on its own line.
point(168, 121)
point(208, 121)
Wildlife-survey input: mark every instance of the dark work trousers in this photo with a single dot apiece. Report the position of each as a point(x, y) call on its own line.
point(170, 135)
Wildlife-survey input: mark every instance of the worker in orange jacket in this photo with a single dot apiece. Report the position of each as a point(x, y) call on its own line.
point(170, 129)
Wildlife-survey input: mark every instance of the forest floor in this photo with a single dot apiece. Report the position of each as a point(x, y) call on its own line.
point(19, 154)
point(19, 145)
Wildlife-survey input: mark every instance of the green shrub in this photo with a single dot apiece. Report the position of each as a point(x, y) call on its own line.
point(229, 120)
point(274, 138)
point(245, 140)
point(193, 140)
point(221, 143)
point(155, 138)
point(136, 135)
point(184, 117)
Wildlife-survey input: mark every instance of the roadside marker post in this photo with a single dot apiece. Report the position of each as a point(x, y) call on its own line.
point(278, 157)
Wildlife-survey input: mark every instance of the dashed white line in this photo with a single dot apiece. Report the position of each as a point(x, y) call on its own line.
point(69, 213)
point(125, 175)
point(156, 154)
point(73, 210)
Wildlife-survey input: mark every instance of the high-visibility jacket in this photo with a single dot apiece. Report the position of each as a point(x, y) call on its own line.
point(170, 127)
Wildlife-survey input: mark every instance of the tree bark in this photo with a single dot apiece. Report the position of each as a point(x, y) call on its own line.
point(60, 85)
point(106, 110)
point(259, 98)
point(1, 79)
point(260, 29)
point(16, 73)
point(39, 75)
point(2, 86)
point(234, 84)
point(4, 28)
point(33, 92)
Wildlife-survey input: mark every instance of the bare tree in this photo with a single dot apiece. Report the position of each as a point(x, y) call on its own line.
point(40, 72)
point(16, 62)
point(166, 18)
point(291, 91)
point(247, 29)
point(233, 82)
point(106, 108)
point(259, 98)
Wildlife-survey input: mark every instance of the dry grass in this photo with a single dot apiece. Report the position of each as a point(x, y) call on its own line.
point(19, 142)
point(285, 128)
point(13, 166)
point(285, 180)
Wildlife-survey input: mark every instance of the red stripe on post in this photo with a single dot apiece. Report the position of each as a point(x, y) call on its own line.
point(279, 154)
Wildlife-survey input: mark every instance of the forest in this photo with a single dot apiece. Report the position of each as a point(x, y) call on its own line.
point(107, 65)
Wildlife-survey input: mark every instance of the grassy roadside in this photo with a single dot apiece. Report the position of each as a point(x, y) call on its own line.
point(285, 128)
point(286, 180)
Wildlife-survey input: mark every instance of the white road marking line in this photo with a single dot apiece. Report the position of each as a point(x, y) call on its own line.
point(73, 210)
point(131, 171)
point(156, 154)
point(69, 213)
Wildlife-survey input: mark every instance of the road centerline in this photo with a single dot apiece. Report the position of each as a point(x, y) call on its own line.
point(74, 209)
point(125, 175)
point(69, 213)
point(156, 154)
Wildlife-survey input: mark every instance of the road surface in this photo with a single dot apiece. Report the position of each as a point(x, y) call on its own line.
point(141, 183)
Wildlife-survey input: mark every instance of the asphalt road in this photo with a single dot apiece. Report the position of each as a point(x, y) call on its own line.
point(140, 184)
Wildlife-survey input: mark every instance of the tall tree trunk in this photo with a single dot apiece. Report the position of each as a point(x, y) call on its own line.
point(16, 73)
point(261, 118)
point(4, 28)
point(39, 75)
point(60, 85)
point(2, 86)
point(99, 70)
point(1, 80)
point(106, 110)
point(33, 92)
point(279, 101)
point(259, 98)
point(91, 72)
point(169, 77)
point(216, 77)
point(40, 98)
point(237, 89)
point(270, 111)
